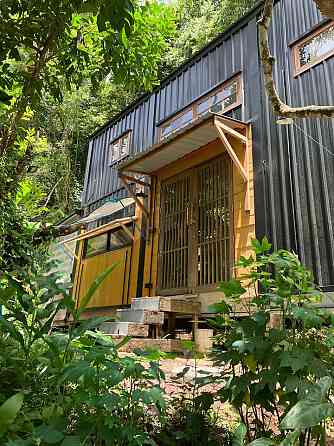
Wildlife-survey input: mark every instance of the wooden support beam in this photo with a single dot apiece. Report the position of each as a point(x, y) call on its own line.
point(247, 166)
point(231, 131)
point(232, 154)
point(138, 202)
point(69, 250)
point(127, 231)
point(135, 180)
point(100, 229)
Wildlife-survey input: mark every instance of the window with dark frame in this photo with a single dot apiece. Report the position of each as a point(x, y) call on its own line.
point(314, 48)
point(119, 148)
point(222, 99)
point(108, 241)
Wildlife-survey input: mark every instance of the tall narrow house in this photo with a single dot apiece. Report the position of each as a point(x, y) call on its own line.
point(179, 183)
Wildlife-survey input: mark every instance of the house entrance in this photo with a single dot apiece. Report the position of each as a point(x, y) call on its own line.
point(195, 228)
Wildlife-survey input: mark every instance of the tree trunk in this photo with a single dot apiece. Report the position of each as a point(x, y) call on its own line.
point(279, 107)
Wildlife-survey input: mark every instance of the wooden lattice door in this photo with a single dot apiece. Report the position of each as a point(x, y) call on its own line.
point(195, 229)
point(175, 224)
point(213, 223)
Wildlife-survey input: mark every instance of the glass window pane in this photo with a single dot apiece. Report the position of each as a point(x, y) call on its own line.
point(203, 106)
point(111, 153)
point(165, 131)
point(115, 151)
point(230, 95)
point(317, 47)
point(118, 239)
point(217, 97)
point(185, 118)
point(97, 244)
point(124, 149)
point(177, 123)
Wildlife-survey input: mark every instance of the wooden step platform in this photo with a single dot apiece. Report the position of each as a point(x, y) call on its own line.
point(150, 321)
point(140, 316)
point(125, 329)
point(184, 304)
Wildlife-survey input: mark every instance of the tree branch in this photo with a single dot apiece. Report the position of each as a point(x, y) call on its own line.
point(268, 61)
point(9, 134)
point(47, 233)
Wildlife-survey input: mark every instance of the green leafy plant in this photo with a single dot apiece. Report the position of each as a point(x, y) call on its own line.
point(191, 419)
point(275, 345)
point(77, 388)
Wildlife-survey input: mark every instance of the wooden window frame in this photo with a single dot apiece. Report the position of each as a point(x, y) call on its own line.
point(201, 99)
point(128, 227)
point(119, 140)
point(299, 69)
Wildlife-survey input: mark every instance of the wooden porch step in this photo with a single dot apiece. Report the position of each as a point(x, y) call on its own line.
point(140, 316)
point(184, 304)
point(164, 345)
point(125, 329)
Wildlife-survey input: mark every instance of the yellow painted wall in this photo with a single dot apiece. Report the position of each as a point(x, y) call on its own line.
point(113, 290)
point(120, 287)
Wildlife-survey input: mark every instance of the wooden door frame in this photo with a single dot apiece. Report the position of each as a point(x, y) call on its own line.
point(172, 291)
point(193, 287)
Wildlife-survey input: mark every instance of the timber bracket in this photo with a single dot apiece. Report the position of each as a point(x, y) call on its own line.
point(126, 179)
point(242, 166)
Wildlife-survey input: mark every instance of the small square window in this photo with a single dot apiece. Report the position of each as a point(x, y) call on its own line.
point(119, 149)
point(314, 48)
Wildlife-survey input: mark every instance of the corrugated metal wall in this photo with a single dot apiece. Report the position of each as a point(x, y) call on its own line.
point(298, 160)
point(213, 67)
point(293, 172)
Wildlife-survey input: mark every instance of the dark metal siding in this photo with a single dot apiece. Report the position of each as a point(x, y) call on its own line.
point(298, 171)
point(293, 174)
point(215, 66)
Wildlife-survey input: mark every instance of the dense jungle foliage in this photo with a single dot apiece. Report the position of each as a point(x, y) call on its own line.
point(66, 68)
point(75, 388)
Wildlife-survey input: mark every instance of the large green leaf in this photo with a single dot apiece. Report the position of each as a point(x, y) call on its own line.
point(290, 439)
point(71, 441)
point(297, 359)
point(48, 434)
point(92, 323)
point(232, 288)
point(10, 328)
point(221, 307)
point(239, 435)
point(306, 414)
point(263, 442)
point(9, 410)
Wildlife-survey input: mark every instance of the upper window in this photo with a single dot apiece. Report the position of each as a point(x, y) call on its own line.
point(119, 148)
point(108, 241)
point(314, 48)
point(222, 99)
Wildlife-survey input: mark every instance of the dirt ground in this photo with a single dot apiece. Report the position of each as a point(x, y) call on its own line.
point(172, 387)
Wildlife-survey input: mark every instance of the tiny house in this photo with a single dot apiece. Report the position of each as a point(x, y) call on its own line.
point(179, 183)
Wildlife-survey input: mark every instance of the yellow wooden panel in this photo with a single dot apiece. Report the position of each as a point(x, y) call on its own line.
point(135, 255)
point(114, 288)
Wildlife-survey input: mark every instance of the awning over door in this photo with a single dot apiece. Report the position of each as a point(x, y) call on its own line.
point(191, 138)
point(107, 209)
